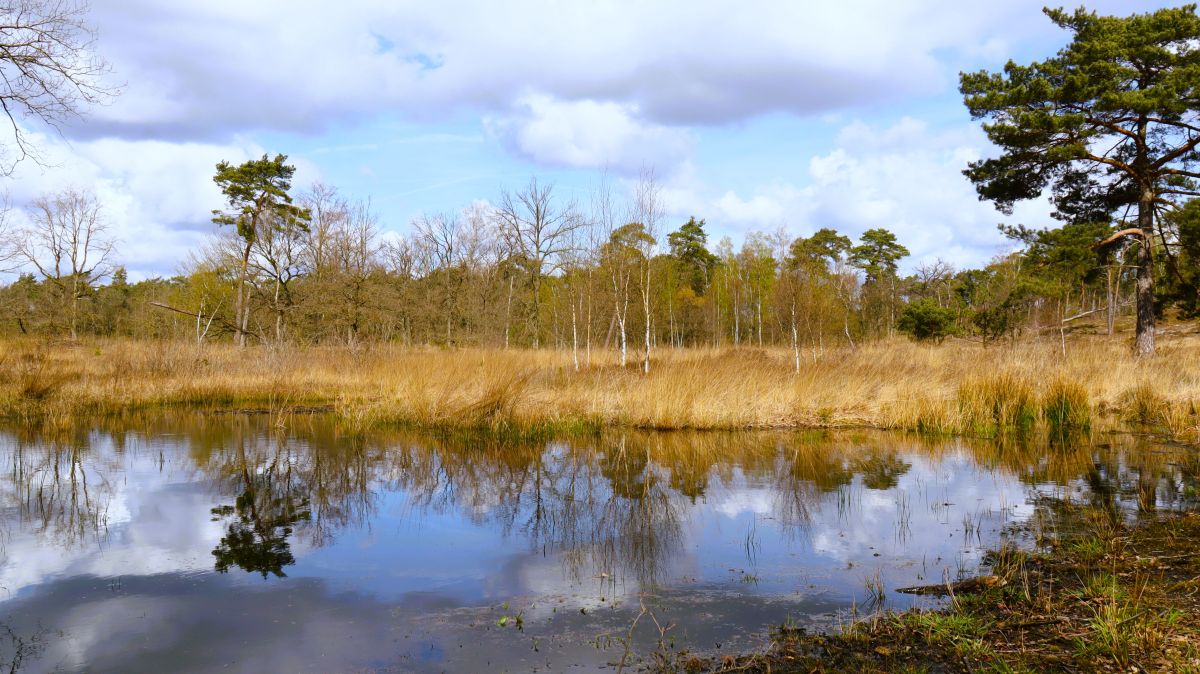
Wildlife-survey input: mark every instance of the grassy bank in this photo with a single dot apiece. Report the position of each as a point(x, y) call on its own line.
point(958, 387)
point(1110, 598)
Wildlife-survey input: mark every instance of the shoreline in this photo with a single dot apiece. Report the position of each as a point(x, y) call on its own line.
point(1111, 597)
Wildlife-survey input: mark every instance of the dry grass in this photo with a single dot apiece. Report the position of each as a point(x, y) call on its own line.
point(957, 387)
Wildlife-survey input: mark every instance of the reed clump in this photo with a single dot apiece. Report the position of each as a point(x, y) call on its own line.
point(1066, 407)
point(958, 387)
point(996, 403)
point(1143, 404)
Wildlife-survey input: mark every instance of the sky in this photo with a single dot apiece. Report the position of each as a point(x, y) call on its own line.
point(754, 115)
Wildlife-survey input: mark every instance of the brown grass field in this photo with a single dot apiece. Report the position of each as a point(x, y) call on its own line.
point(957, 387)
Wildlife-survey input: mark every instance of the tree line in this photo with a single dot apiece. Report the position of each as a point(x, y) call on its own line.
point(536, 269)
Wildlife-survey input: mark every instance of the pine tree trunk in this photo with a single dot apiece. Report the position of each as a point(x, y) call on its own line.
point(1144, 333)
point(242, 319)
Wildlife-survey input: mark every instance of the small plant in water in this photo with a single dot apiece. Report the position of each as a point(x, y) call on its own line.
point(876, 592)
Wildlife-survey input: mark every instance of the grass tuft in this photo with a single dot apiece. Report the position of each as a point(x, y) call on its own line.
point(998, 403)
point(1066, 407)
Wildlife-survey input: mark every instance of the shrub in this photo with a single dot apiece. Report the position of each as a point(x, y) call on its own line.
point(924, 320)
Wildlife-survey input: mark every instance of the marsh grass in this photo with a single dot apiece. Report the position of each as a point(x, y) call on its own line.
point(998, 402)
point(959, 387)
point(1066, 407)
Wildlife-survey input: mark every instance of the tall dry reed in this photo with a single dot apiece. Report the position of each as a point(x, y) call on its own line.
point(957, 387)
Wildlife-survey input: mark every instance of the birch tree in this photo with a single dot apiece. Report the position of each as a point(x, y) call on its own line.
point(648, 210)
point(539, 230)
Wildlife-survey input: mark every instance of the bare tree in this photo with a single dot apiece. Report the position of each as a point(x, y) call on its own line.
point(356, 254)
point(441, 235)
point(48, 70)
point(342, 252)
point(648, 210)
point(279, 258)
point(329, 211)
point(67, 242)
point(400, 258)
point(539, 230)
point(9, 253)
point(935, 278)
point(604, 216)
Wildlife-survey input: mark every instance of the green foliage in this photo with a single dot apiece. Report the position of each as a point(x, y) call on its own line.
point(1184, 278)
point(823, 249)
point(996, 299)
point(693, 258)
point(878, 254)
point(1067, 254)
point(1107, 123)
point(1118, 77)
point(924, 320)
point(256, 190)
point(998, 321)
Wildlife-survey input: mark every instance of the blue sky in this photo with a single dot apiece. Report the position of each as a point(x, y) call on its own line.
point(754, 115)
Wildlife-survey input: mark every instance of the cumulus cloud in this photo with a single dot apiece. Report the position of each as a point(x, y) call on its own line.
point(155, 196)
point(903, 177)
point(588, 134)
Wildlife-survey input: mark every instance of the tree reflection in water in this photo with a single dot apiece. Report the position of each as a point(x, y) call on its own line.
point(613, 505)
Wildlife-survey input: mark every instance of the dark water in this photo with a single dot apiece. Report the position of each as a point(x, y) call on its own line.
point(245, 544)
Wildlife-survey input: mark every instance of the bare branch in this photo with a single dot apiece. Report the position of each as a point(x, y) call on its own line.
point(49, 72)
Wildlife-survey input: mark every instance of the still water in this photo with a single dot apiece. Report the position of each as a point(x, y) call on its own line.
point(236, 543)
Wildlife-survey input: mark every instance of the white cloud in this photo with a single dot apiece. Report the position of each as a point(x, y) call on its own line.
point(770, 204)
point(589, 134)
point(905, 178)
point(156, 197)
point(619, 83)
point(201, 69)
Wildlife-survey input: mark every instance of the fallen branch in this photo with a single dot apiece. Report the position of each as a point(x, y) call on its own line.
point(1086, 313)
point(969, 585)
point(225, 324)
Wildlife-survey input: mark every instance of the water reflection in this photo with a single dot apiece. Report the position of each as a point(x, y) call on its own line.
point(113, 535)
point(272, 501)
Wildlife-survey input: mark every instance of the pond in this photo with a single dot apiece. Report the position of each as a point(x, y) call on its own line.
point(252, 543)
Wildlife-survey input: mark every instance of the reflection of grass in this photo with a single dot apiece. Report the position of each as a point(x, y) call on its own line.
point(752, 545)
point(893, 384)
point(1129, 603)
